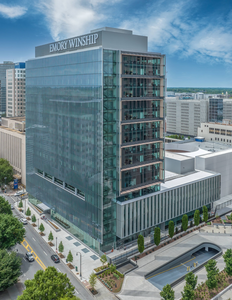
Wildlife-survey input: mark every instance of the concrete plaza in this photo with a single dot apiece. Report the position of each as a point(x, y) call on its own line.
point(137, 287)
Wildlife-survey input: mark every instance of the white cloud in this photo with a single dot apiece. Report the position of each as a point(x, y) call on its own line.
point(71, 17)
point(12, 11)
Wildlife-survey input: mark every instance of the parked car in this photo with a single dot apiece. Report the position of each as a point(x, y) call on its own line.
point(29, 256)
point(43, 217)
point(55, 258)
point(12, 206)
point(24, 221)
point(19, 193)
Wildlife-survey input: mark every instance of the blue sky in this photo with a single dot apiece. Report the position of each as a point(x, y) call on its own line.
point(195, 35)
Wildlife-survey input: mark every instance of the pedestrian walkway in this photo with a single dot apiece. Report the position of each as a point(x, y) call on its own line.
point(89, 259)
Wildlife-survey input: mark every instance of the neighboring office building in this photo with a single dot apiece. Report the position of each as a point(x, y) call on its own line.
point(216, 132)
point(3, 67)
point(215, 110)
point(185, 116)
point(12, 144)
point(15, 91)
point(218, 162)
point(95, 130)
point(227, 109)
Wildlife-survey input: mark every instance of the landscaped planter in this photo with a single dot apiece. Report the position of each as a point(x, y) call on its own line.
point(112, 281)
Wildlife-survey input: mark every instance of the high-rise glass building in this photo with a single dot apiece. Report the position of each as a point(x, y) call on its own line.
point(94, 130)
point(3, 67)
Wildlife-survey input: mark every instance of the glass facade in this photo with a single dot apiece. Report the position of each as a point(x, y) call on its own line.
point(142, 127)
point(215, 110)
point(64, 136)
point(94, 135)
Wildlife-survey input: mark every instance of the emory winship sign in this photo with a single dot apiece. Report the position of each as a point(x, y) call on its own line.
point(74, 43)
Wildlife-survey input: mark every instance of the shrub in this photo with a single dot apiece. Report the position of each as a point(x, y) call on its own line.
point(116, 276)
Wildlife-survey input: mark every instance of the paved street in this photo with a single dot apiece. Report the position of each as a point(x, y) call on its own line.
point(43, 253)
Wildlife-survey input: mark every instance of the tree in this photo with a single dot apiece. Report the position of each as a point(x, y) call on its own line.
point(48, 284)
point(33, 218)
point(167, 293)
point(61, 247)
point(227, 255)
point(112, 268)
point(211, 281)
point(11, 231)
point(93, 280)
point(188, 293)
point(103, 259)
point(20, 204)
point(212, 272)
point(171, 229)
point(70, 257)
point(50, 237)
point(10, 269)
point(211, 266)
point(196, 217)
point(28, 212)
point(191, 279)
point(41, 228)
point(205, 213)
point(141, 243)
point(185, 222)
point(6, 171)
point(157, 236)
point(228, 267)
point(5, 207)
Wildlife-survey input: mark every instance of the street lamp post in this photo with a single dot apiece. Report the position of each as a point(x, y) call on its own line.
point(80, 264)
point(56, 244)
point(38, 222)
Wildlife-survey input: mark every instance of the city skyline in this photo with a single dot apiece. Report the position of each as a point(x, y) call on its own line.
point(194, 35)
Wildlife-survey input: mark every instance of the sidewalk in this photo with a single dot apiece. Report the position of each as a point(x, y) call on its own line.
point(89, 260)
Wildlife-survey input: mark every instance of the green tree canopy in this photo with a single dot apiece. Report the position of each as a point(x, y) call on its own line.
point(191, 279)
point(93, 280)
point(70, 298)
point(61, 247)
point(48, 284)
point(6, 170)
point(185, 222)
point(28, 212)
point(41, 227)
point(157, 236)
point(212, 266)
point(228, 268)
point(70, 257)
point(196, 217)
point(228, 254)
point(11, 231)
point(50, 236)
point(103, 259)
point(167, 293)
point(141, 243)
point(10, 266)
point(20, 204)
point(205, 213)
point(33, 218)
point(5, 207)
point(171, 229)
point(211, 281)
point(188, 293)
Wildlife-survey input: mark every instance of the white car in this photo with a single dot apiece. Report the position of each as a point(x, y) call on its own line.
point(24, 221)
point(19, 193)
point(12, 206)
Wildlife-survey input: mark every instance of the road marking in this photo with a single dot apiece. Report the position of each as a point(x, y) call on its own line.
point(34, 239)
point(24, 258)
point(58, 269)
point(29, 249)
point(45, 253)
point(172, 268)
point(76, 291)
